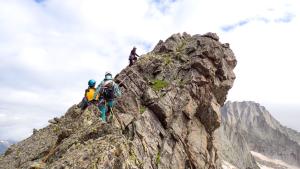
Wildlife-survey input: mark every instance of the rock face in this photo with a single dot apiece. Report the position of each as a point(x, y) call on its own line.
point(233, 148)
point(165, 118)
point(247, 126)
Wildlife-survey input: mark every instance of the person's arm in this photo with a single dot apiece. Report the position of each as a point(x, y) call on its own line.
point(136, 54)
point(98, 90)
point(86, 90)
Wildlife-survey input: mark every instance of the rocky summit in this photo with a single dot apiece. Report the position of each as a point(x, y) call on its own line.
point(166, 117)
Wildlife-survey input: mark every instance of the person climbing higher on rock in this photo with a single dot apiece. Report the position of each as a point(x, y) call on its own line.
point(108, 90)
point(132, 56)
point(89, 95)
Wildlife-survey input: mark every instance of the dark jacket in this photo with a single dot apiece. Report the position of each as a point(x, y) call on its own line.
point(133, 54)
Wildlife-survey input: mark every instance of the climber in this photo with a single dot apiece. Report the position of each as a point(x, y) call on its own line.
point(89, 95)
point(132, 56)
point(108, 90)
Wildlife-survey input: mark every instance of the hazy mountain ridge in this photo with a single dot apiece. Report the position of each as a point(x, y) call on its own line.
point(259, 132)
point(4, 144)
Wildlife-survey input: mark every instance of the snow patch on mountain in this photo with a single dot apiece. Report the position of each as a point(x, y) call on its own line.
point(268, 163)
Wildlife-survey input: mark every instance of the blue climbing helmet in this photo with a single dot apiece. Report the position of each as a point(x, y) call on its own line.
point(92, 83)
point(108, 76)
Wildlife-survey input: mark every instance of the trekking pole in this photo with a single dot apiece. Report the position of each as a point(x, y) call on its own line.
point(127, 76)
point(123, 80)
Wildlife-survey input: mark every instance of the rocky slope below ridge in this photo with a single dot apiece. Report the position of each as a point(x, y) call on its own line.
point(257, 131)
point(166, 117)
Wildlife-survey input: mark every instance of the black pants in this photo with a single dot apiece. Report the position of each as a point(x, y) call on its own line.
point(131, 61)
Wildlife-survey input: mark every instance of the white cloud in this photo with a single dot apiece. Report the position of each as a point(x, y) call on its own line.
point(268, 60)
point(49, 50)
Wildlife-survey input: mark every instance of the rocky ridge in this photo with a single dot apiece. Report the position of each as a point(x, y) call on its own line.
point(166, 117)
point(248, 126)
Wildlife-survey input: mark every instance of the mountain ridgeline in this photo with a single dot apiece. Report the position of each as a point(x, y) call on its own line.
point(165, 118)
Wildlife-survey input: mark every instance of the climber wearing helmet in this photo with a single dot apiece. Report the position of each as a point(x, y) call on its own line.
point(89, 95)
point(108, 90)
point(132, 56)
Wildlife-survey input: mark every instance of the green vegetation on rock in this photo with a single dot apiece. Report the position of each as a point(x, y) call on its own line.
point(157, 85)
point(142, 109)
point(168, 59)
point(157, 159)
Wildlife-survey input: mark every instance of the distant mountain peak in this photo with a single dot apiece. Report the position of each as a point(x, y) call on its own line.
point(249, 125)
point(249, 112)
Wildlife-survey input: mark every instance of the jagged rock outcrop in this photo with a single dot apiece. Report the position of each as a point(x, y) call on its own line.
point(166, 117)
point(250, 127)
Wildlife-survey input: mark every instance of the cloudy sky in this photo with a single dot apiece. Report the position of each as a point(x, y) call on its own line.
point(49, 49)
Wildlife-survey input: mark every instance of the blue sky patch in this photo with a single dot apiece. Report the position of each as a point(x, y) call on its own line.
point(147, 46)
point(161, 1)
point(163, 5)
point(39, 1)
point(288, 17)
point(228, 28)
point(265, 20)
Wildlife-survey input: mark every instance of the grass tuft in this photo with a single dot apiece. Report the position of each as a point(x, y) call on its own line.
point(157, 85)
